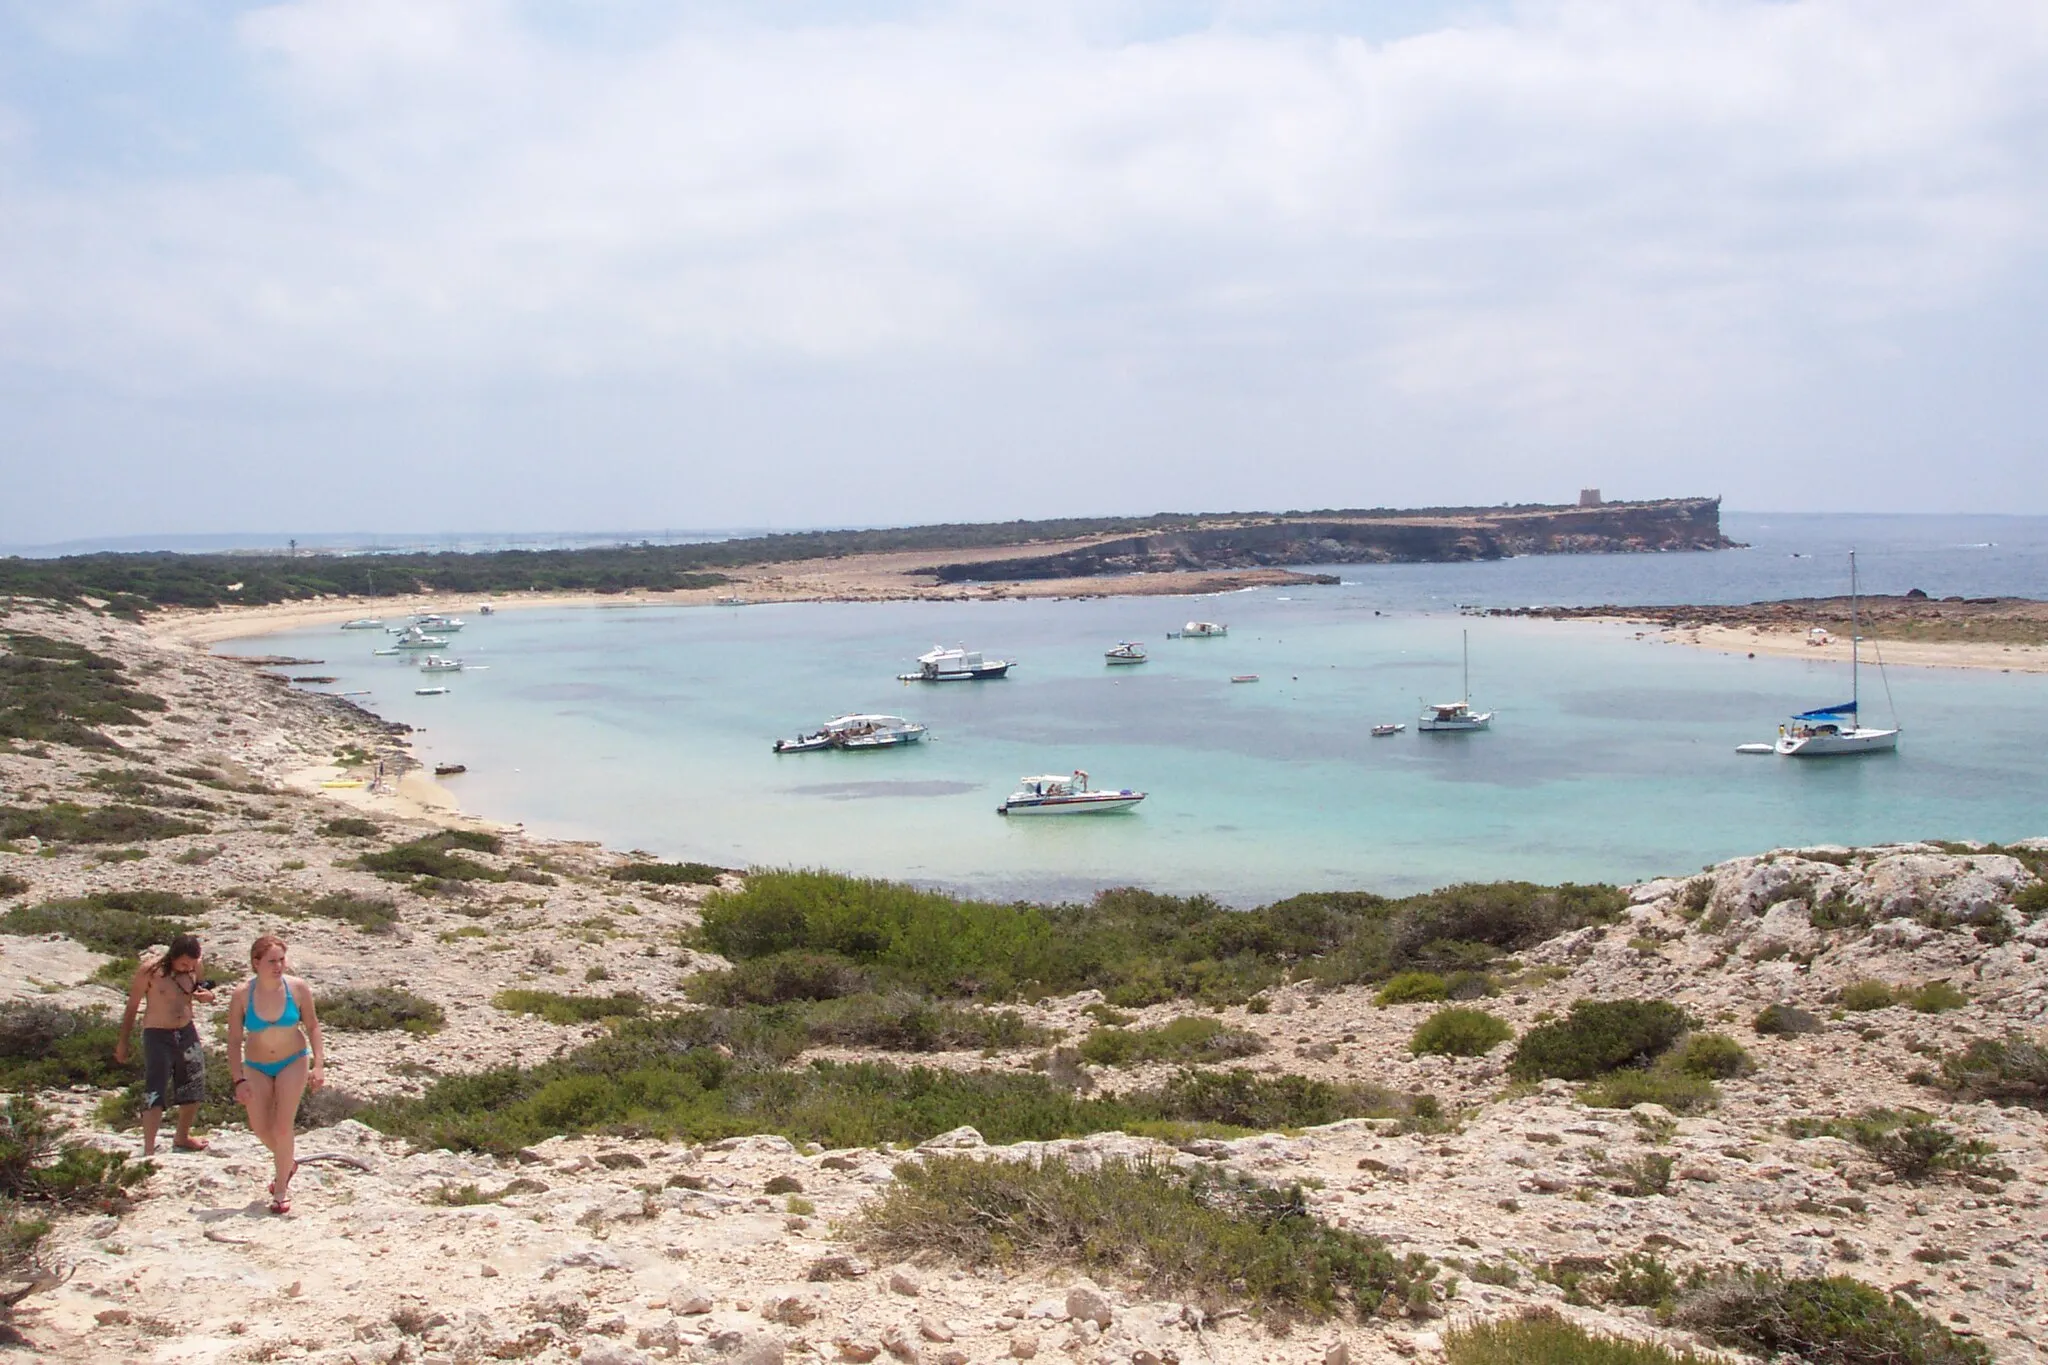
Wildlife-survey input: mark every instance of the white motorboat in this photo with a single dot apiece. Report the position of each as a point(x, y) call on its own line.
point(858, 732)
point(386, 652)
point(364, 623)
point(956, 665)
point(1828, 731)
point(430, 691)
point(434, 663)
point(1126, 652)
point(1385, 728)
point(1456, 715)
point(434, 622)
point(415, 638)
point(1203, 630)
point(1064, 794)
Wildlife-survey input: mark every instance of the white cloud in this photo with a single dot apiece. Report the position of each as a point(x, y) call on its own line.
point(1580, 224)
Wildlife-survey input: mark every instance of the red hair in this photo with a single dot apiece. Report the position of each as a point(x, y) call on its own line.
point(264, 945)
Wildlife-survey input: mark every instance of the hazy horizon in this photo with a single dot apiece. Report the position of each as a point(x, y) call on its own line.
point(338, 263)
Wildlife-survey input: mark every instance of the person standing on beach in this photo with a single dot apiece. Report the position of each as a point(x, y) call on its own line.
point(277, 1054)
point(173, 1060)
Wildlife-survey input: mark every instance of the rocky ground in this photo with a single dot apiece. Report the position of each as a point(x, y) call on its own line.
point(615, 1252)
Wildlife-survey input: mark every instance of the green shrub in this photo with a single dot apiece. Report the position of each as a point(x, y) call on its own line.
point(430, 857)
point(66, 822)
point(351, 827)
point(11, 885)
point(1198, 1235)
point(668, 874)
point(1782, 1019)
point(1832, 1321)
point(1937, 997)
point(1859, 996)
point(1191, 1038)
point(1541, 1337)
point(371, 914)
point(1675, 1090)
point(36, 1168)
point(1908, 1143)
point(1639, 1279)
point(2032, 902)
point(1597, 1036)
point(1715, 1056)
point(902, 1022)
point(45, 1046)
point(1244, 1099)
point(118, 923)
point(1410, 988)
point(1646, 1175)
point(369, 1009)
point(781, 977)
point(557, 1008)
point(2012, 1070)
point(1459, 1032)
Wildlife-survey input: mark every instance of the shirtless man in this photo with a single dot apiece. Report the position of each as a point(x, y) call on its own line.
point(173, 1061)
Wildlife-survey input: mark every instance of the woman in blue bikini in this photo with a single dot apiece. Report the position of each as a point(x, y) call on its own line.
point(275, 1053)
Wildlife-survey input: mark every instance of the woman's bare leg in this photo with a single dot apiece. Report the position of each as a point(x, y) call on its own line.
point(259, 1097)
point(285, 1093)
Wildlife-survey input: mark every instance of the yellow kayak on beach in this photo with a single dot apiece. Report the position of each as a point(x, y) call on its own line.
point(344, 782)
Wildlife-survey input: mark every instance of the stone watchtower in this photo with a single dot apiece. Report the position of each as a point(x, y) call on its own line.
point(1589, 497)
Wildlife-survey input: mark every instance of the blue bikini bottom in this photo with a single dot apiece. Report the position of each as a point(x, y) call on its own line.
point(274, 1069)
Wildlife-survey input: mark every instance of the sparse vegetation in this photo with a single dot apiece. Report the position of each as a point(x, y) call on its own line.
point(903, 1022)
point(1937, 997)
point(1190, 1039)
point(368, 1009)
point(1410, 988)
point(1459, 1032)
point(779, 978)
point(1781, 1020)
point(1541, 1337)
point(55, 692)
point(2012, 1070)
point(431, 858)
point(1860, 996)
point(351, 827)
point(1910, 1144)
point(371, 914)
point(557, 1008)
point(118, 923)
point(1714, 1056)
point(1675, 1090)
point(1191, 1235)
point(67, 822)
point(45, 1046)
point(11, 885)
point(1831, 1321)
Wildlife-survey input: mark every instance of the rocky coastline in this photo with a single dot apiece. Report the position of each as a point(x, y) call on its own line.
point(612, 1249)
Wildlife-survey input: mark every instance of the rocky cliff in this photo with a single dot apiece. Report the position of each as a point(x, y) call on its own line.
point(1434, 535)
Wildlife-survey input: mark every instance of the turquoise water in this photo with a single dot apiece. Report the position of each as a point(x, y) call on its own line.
point(1611, 757)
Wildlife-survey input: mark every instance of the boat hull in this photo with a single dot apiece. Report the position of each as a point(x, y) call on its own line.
point(983, 674)
point(1455, 724)
point(1086, 803)
point(881, 741)
point(1838, 745)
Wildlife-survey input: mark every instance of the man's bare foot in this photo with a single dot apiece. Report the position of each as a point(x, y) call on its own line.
point(189, 1144)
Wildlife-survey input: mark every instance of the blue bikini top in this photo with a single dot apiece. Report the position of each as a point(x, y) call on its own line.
point(256, 1023)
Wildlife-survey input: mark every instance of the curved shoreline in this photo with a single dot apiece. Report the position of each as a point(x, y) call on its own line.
point(1782, 644)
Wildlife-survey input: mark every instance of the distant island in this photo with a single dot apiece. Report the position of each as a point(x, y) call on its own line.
point(930, 557)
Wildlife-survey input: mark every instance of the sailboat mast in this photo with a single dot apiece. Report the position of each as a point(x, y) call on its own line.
point(1855, 644)
point(1465, 671)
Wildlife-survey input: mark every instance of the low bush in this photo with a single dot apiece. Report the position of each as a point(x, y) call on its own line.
point(901, 1022)
point(11, 885)
point(1937, 997)
point(1201, 1235)
point(1190, 1039)
point(1541, 1337)
point(56, 692)
point(2011, 1070)
point(1598, 1036)
point(1831, 1321)
point(557, 1008)
point(1715, 1056)
point(118, 923)
point(351, 827)
point(668, 874)
point(1640, 1178)
point(45, 1046)
point(781, 977)
point(1459, 1032)
point(1411, 988)
point(371, 914)
point(431, 857)
point(36, 1168)
point(1859, 996)
point(372, 1009)
point(1910, 1144)
point(1639, 1279)
point(1675, 1090)
point(66, 822)
point(1783, 1020)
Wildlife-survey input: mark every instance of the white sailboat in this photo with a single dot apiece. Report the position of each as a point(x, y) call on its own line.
point(1827, 731)
point(1456, 715)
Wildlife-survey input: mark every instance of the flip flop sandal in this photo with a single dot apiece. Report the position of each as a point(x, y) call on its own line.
point(280, 1206)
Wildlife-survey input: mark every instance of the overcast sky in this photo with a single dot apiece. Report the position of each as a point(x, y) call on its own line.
point(415, 265)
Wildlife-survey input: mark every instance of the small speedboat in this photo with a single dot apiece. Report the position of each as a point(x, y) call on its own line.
point(858, 732)
point(363, 623)
point(1386, 728)
point(1244, 677)
point(415, 638)
point(450, 769)
point(434, 622)
point(1057, 794)
point(940, 664)
point(386, 652)
point(1126, 652)
point(434, 663)
point(430, 691)
point(486, 610)
point(1203, 630)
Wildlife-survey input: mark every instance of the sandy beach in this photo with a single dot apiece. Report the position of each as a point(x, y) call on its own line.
point(1795, 645)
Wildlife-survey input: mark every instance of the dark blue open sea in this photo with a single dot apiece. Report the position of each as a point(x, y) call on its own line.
point(1611, 757)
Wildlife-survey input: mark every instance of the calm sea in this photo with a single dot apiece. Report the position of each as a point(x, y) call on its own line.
point(1612, 757)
